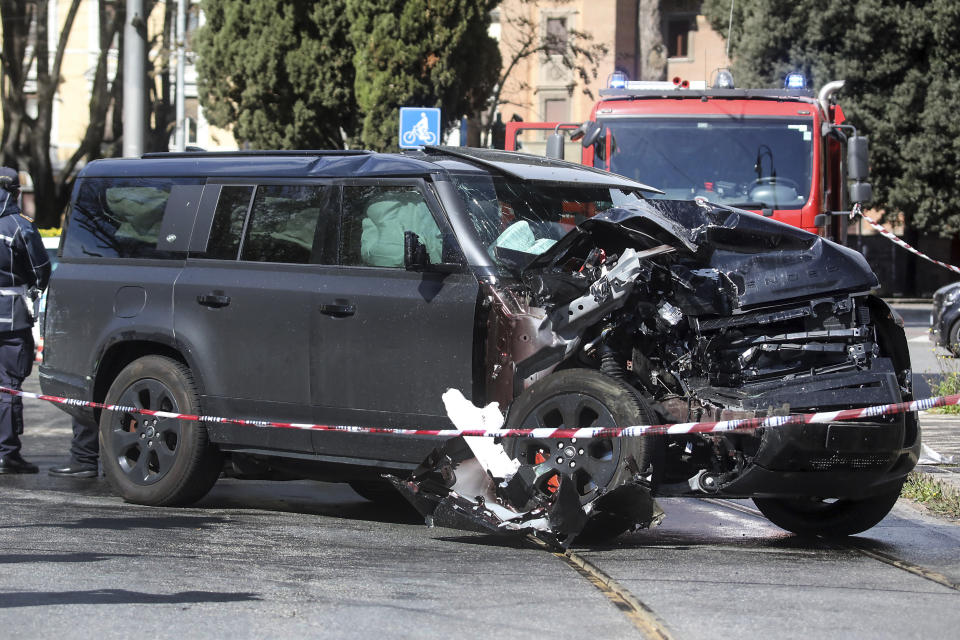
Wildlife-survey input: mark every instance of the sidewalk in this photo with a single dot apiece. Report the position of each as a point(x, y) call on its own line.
point(941, 432)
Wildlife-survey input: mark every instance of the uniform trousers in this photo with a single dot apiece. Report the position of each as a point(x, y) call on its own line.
point(16, 362)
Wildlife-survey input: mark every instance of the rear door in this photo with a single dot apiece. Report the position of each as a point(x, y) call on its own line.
point(245, 304)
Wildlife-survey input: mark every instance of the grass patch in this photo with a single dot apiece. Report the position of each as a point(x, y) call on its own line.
point(933, 494)
point(948, 385)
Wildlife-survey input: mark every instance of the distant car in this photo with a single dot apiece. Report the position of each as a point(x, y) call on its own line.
point(945, 318)
point(52, 245)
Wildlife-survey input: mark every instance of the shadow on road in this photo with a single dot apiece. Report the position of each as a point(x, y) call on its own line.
point(117, 596)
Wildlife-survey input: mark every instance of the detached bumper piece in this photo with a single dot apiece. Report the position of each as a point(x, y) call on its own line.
point(454, 488)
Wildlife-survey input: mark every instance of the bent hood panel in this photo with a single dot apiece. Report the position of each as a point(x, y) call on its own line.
point(767, 260)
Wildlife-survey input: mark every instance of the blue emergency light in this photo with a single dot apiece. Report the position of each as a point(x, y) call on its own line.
point(795, 80)
point(617, 80)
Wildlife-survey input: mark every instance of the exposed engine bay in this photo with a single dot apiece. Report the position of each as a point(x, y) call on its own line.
point(694, 312)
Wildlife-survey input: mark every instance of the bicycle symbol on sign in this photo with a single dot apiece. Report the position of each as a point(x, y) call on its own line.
point(420, 132)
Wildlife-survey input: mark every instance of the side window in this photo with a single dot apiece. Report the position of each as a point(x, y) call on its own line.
point(375, 219)
point(290, 223)
point(228, 220)
point(120, 217)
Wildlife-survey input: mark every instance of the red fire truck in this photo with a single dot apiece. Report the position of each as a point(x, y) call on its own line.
point(776, 152)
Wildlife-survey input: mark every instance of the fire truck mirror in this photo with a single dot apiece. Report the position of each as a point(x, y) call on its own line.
point(857, 158)
point(591, 132)
point(861, 192)
point(555, 146)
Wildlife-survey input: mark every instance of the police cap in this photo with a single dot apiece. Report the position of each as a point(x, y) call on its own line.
point(9, 179)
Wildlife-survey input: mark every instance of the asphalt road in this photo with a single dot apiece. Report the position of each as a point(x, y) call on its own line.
point(268, 559)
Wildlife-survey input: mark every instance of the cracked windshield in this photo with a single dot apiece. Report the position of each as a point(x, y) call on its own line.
point(517, 220)
point(765, 163)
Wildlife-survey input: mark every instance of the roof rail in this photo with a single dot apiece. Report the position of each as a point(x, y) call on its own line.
point(281, 153)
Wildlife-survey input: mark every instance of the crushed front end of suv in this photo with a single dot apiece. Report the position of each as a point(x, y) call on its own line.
point(356, 288)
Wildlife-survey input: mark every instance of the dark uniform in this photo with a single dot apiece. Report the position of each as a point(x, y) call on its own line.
point(24, 270)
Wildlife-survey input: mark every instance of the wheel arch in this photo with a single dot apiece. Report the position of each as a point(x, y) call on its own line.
point(121, 353)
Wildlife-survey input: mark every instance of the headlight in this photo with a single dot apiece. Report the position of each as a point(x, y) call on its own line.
point(952, 295)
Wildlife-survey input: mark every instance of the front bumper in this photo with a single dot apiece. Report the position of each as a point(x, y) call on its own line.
point(836, 460)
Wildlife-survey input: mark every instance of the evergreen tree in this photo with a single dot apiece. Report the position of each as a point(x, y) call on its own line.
point(424, 53)
point(901, 63)
point(278, 72)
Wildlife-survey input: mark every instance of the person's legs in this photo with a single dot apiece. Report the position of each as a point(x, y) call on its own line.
point(16, 361)
point(84, 451)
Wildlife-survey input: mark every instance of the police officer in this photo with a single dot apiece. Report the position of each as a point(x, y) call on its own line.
point(24, 270)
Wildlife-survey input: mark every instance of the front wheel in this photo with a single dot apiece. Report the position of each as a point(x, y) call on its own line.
point(579, 399)
point(827, 518)
point(153, 460)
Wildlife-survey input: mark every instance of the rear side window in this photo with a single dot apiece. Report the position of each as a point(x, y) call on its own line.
point(228, 220)
point(291, 224)
point(120, 217)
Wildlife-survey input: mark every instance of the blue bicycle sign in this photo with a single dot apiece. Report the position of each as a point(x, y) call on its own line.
point(419, 126)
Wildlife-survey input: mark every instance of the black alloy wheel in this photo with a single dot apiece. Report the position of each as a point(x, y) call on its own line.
point(150, 459)
point(580, 399)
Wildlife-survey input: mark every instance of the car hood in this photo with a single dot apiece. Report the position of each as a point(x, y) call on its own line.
point(767, 260)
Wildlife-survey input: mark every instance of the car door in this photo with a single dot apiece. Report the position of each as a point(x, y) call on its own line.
point(245, 303)
point(393, 340)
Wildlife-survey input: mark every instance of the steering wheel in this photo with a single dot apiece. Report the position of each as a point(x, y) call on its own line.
point(774, 181)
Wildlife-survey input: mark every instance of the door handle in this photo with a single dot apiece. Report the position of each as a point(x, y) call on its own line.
point(338, 310)
point(214, 300)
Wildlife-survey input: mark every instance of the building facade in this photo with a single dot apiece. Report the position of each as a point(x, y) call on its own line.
point(541, 88)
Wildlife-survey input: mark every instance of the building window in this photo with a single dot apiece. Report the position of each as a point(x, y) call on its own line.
point(556, 110)
point(678, 38)
point(556, 42)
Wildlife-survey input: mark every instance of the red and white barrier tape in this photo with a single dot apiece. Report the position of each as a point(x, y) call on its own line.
point(900, 242)
point(747, 424)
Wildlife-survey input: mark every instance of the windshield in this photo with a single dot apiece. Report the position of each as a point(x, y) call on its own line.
point(518, 220)
point(746, 162)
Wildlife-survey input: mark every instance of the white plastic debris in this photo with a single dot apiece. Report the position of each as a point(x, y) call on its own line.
point(465, 415)
point(929, 456)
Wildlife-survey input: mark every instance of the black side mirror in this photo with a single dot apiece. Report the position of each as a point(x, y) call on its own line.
point(415, 256)
point(591, 132)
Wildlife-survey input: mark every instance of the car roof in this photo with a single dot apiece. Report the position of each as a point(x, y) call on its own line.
point(352, 163)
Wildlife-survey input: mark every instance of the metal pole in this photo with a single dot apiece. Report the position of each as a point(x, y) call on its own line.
point(181, 68)
point(134, 80)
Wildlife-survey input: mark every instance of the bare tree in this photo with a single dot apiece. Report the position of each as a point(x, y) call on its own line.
point(653, 53)
point(574, 50)
point(26, 135)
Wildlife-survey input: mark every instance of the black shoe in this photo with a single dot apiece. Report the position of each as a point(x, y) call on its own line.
point(74, 470)
point(13, 463)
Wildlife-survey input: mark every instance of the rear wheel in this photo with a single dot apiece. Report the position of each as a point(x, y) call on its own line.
point(825, 517)
point(577, 399)
point(152, 460)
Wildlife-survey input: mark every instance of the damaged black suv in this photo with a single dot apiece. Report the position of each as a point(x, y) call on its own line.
point(353, 287)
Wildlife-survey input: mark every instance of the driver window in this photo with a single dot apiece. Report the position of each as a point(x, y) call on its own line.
point(375, 219)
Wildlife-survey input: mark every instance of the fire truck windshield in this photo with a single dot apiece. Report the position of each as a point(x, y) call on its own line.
point(748, 162)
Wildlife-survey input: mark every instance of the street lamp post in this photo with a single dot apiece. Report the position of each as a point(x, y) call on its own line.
point(134, 80)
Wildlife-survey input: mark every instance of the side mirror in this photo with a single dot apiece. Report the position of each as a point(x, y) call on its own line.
point(555, 146)
point(415, 256)
point(591, 133)
point(858, 160)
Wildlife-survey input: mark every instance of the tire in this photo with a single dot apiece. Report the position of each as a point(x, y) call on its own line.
point(816, 517)
point(581, 398)
point(953, 341)
point(157, 461)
